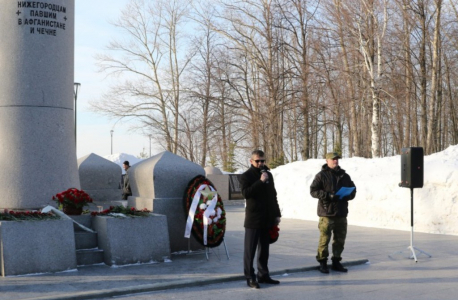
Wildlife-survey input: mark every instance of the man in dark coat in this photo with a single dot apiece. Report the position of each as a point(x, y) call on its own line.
point(126, 191)
point(332, 210)
point(261, 213)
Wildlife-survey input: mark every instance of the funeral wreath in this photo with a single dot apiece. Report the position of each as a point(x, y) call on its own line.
point(206, 217)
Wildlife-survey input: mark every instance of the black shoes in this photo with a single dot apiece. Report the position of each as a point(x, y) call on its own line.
point(337, 266)
point(267, 279)
point(252, 283)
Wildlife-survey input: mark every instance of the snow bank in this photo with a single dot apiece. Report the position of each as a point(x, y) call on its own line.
point(119, 158)
point(379, 201)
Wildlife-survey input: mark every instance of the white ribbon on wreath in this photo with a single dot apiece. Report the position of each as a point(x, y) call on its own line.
point(209, 211)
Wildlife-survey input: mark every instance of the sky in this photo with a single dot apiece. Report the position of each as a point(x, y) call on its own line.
point(93, 32)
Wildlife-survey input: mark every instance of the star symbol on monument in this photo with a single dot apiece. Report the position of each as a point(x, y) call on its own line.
point(65, 18)
point(207, 193)
point(18, 13)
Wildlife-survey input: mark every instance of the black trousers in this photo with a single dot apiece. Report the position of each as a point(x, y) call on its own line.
point(256, 240)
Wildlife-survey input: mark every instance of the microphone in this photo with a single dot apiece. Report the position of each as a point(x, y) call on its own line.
point(264, 170)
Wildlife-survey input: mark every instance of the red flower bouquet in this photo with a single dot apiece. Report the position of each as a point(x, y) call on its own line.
point(127, 211)
point(9, 215)
point(72, 201)
point(274, 233)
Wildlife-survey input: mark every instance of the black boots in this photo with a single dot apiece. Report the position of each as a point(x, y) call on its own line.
point(337, 266)
point(324, 266)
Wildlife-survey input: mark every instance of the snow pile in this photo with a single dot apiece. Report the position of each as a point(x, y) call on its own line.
point(379, 201)
point(119, 158)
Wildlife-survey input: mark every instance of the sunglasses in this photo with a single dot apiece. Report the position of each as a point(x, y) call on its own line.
point(260, 160)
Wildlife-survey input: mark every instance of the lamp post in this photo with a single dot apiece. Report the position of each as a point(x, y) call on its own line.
point(111, 132)
point(76, 86)
point(150, 145)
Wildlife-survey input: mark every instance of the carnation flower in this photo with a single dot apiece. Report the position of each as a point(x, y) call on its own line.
point(72, 198)
point(118, 211)
point(203, 206)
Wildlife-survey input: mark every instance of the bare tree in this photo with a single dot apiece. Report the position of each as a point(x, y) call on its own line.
point(432, 108)
point(253, 36)
point(297, 78)
point(147, 65)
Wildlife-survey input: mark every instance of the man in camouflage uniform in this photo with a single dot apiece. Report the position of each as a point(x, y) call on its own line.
point(332, 211)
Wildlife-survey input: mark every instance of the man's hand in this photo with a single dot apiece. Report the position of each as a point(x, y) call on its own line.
point(332, 197)
point(264, 177)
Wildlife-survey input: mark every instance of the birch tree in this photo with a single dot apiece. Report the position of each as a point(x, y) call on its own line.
point(432, 117)
point(371, 25)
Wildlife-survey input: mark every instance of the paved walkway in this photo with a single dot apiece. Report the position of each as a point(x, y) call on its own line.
point(294, 252)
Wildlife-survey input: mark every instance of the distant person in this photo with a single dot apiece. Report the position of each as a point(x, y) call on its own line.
point(332, 210)
point(261, 213)
point(126, 191)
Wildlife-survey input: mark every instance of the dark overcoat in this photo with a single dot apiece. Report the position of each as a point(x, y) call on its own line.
point(261, 199)
point(328, 182)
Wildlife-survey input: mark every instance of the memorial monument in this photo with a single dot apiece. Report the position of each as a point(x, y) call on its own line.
point(36, 102)
point(158, 184)
point(220, 180)
point(100, 178)
point(37, 130)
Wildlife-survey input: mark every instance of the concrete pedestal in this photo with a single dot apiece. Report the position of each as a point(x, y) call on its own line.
point(173, 208)
point(132, 240)
point(29, 247)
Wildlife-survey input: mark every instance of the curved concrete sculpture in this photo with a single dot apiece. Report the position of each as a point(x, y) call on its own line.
point(100, 178)
point(37, 115)
point(164, 175)
point(159, 184)
point(212, 171)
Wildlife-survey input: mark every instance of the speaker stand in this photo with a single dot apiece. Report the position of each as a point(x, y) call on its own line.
point(411, 247)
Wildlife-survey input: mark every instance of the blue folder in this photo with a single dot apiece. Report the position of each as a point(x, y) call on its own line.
point(344, 191)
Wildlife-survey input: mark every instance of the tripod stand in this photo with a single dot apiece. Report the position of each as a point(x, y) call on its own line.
point(411, 247)
point(207, 250)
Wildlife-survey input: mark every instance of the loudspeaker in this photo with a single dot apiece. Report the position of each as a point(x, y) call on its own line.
point(412, 167)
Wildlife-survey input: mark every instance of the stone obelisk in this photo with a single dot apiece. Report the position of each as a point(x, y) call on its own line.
point(37, 141)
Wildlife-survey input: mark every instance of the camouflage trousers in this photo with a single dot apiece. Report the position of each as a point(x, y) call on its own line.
point(337, 227)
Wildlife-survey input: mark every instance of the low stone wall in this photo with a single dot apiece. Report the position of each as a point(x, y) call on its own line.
point(29, 247)
point(132, 240)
